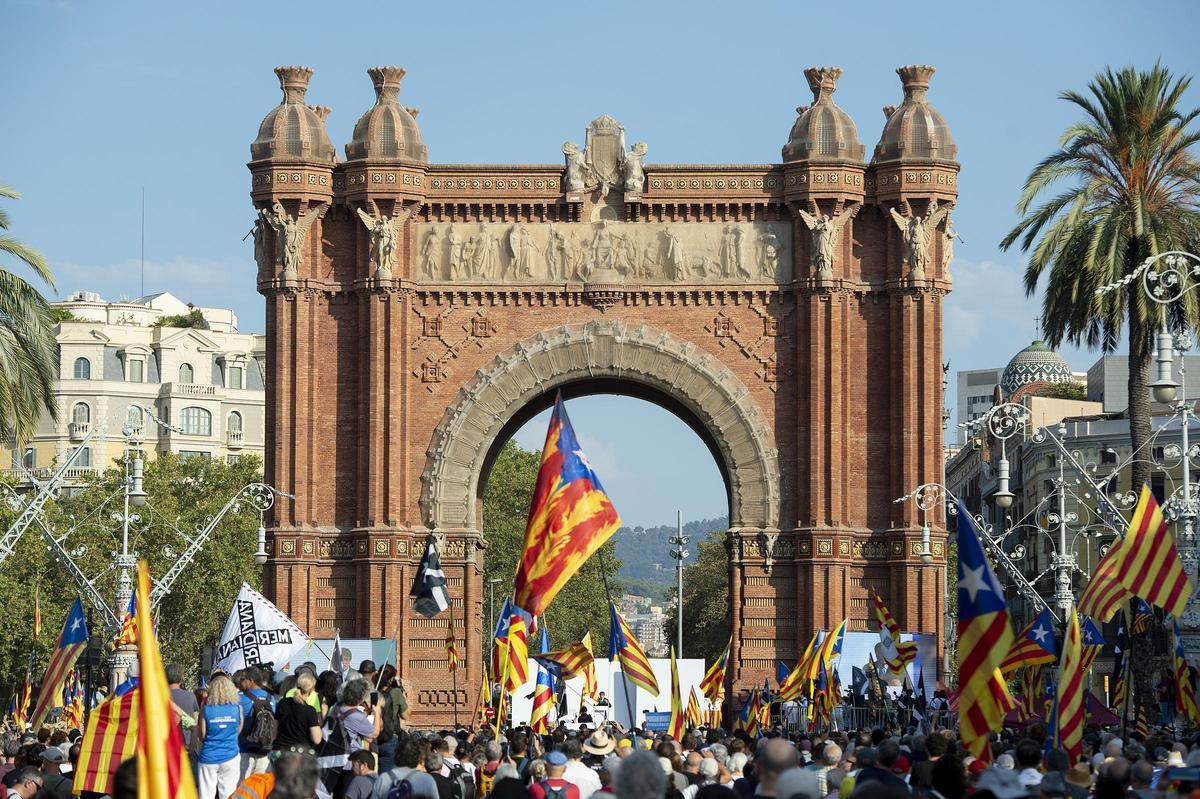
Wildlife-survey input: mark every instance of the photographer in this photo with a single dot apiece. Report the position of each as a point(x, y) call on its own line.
point(361, 715)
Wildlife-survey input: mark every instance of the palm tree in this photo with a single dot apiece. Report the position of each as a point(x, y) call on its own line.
point(28, 351)
point(1131, 188)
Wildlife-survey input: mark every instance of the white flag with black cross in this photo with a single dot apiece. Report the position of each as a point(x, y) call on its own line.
point(429, 587)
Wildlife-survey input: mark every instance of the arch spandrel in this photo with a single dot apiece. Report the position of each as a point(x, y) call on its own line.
point(601, 350)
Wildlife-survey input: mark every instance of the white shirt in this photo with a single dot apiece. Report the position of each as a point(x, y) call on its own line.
point(582, 777)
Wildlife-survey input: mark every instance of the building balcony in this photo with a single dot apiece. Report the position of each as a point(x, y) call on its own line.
point(189, 390)
point(78, 430)
point(235, 439)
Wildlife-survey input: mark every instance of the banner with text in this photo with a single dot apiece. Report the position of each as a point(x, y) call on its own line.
point(257, 632)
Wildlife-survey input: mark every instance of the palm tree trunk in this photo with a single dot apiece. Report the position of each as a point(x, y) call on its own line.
point(1139, 400)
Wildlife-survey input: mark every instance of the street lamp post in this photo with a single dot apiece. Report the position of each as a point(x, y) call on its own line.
point(492, 599)
point(678, 541)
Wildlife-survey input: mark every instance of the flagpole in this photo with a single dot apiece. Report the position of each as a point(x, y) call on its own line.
point(611, 655)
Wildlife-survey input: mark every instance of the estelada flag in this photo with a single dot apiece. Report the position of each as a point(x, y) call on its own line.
point(110, 740)
point(162, 761)
point(570, 517)
point(71, 644)
point(128, 634)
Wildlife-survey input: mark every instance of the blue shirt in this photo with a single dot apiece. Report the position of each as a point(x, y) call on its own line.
point(248, 709)
point(221, 733)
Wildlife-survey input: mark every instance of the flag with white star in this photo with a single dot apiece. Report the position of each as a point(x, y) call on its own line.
point(71, 643)
point(1035, 645)
point(983, 639)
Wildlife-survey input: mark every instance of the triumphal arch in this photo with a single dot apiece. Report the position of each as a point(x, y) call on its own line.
point(418, 313)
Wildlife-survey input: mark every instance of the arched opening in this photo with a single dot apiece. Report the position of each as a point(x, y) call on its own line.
point(233, 423)
point(81, 413)
point(187, 375)
point(83, 369)
point(196, 421)
point(654, 457)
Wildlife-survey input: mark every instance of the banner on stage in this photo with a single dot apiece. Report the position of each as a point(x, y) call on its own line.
point(657, 721)
point(257, 632)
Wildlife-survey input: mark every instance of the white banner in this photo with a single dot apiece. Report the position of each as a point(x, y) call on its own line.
point(257, 632)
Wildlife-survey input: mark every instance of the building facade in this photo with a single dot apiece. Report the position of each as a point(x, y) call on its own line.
point(418, 313)
point(115, 361)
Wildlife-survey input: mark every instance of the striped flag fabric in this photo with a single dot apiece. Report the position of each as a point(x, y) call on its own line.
point(693, 716)
point(748, 719)
point(110, 740)
point(1119, 699)
point(983, 639)
point(623, 645)
point(713, 683)
point(1034, 646)
point(485, 698)
point(1104, 593)
point(567, 663)
point(429, 586)
point(1185, 692)
point(452, 644)
point(517, 670)
point(71, 644)
point(1143, 615)
point(830, 648)
point(21, 714)
point(678, 724)
point(570, 517)
point(543, 693)
point(897, 654)
point(591, 689)
point(1143, 727)
point(1031, 681)
point(162, 760)
point(1093, 641)
point(1069, 704)
point(793, 687)
point(127, 636)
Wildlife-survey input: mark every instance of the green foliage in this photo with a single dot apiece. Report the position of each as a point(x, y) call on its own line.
point(1067, 391)
point(706, 610)
point(191, 319)
point(28, 351)
point(183, 496)
point(661, 591)
point(60, 315)
point(581, 606)
point(645, 552)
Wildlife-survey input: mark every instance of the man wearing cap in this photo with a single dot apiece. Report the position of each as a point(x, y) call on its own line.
point(56, 785)
point(576, 772)
point(555, 786)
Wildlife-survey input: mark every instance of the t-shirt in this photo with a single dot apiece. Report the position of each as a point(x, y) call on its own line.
point(295, 720)
point(361, 786)
point(186, 700)
point(538, 789)
point(357, 725)
point(248, 711)
point(422, 784)
point(56, 786)
point(587, 780)
point(221, 733)
point(314, 701)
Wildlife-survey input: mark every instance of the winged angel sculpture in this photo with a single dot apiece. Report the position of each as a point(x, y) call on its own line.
point(917, 232)
point(290, 233)
point(385, 231)
point(826, 231)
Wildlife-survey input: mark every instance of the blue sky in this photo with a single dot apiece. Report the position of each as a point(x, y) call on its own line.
point(102, 100)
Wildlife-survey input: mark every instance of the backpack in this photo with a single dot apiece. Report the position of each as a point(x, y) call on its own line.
point(464, 786)
point(391, 717)
point(261, 728)
point(400, 790)
point(552, 792)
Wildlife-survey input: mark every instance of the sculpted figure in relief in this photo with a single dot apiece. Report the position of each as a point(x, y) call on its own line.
point(826, 232)
point(732, 263)
point(576, 175)
point(487, 259)
point(468, 256)
point(601, 250)
point(260, 244)
point(520, 242)
point(384, 234)
point(454, 244)
point(557, 256)
point(635, 175)
point(291, 233)
point(769, 255)
point(676, 257)
point(431, 252)
point(949, 235)
point(916, 231)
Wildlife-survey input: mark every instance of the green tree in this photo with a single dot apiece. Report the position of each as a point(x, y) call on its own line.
point(581, 606)
point(1130, 192)
point(706, 608)
point(193, 318)
point(28, 352)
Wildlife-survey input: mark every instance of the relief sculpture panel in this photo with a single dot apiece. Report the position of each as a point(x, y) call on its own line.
point(490, 252)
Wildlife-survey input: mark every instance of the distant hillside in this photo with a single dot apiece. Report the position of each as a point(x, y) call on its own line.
point(647, 567)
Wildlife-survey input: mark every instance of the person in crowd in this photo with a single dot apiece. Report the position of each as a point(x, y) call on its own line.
point(55, 784)
point(327, 691)
point(362, 765)
point(298, 724)
point(220, 722)
point(407, 777)
point(395, 713)
point(556, 785)
point(183, 703)
point(576, 772)
point(255, 741)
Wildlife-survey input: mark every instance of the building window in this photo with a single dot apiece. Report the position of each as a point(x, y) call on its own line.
point(187, 375)
point(187, 454)
point(196, 421)
point(1108, 457)
point(234, 423)
point(1157, 453)
point(235, 377)
point(291, 133)
point(84, 458)
point(232, 458)
point(1158, 485)
point(81, 413)
point(83, 369)
point(29, 459)
point(135, 370)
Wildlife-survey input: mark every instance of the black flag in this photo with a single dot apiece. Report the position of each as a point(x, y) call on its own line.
point(430, 586)
point(859, 681)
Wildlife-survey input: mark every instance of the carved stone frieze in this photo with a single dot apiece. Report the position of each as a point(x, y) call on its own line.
point(708, 252)
point(597, 349)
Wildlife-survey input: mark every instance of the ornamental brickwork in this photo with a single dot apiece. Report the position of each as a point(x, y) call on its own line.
point(419, 313)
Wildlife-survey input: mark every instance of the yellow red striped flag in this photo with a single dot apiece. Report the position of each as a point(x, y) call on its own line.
point(71, 644)
point(795, 684)
point(898, 654)
point(678, 723)
point(590, 688)
point(624, 645)
point(1068, 729)
point(694, 717)
point(518, 655)
point(1185, 692)
point(713, 684)
point(452, 643)
point(162, 761)
point(110, 740)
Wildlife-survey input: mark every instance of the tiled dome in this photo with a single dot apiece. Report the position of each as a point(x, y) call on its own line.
point(823, 131)
point(915, 130)
point(388, 131)
point(293, 131)
point(1037, 363)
